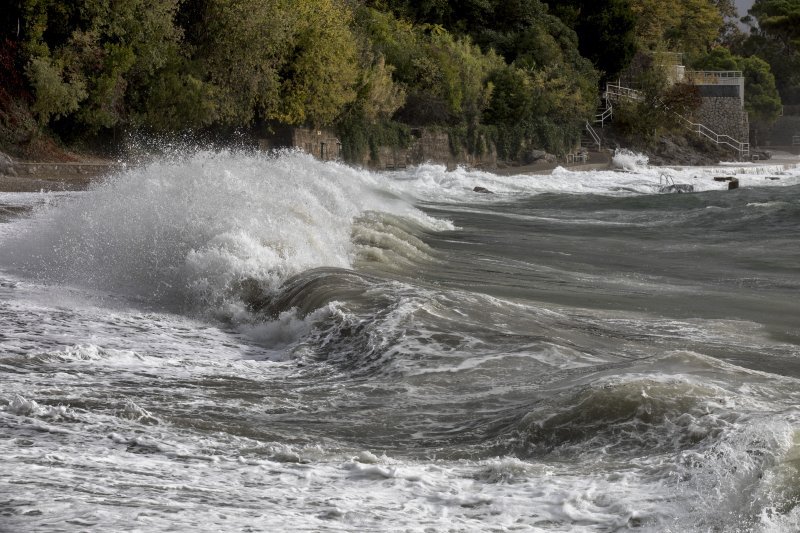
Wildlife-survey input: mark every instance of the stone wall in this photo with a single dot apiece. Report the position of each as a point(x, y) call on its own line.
point(322, 144)
point(725, 116)
point(429, 146)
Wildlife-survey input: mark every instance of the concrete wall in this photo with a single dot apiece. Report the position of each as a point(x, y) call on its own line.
point(783, 130)
point(724, 116)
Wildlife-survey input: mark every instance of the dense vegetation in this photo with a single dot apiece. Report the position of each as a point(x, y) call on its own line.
point(514, 75)
point(775, 38)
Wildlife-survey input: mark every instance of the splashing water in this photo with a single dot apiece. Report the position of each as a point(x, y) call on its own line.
point(190, 231)
point(396, 352)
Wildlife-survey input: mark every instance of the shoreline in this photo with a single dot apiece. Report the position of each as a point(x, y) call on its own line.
point(46, 176)
point(43, 176)
point(36, 176)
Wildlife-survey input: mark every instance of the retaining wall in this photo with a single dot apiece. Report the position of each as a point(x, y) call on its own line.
point(725, 116)
point(430, 146)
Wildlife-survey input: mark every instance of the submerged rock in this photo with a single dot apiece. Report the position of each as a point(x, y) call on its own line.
point(482, 190)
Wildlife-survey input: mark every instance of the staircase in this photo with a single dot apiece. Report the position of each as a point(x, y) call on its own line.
point(590, 140)
point(604, 113)
point(617, 91)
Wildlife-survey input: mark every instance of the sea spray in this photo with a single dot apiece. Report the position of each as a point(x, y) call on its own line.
point(188, 231)
point(629, 160)
point(580, 354)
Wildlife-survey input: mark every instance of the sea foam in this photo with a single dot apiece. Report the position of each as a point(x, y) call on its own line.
point(190, 230)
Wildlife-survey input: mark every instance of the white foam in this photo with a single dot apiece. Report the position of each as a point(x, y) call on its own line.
point(629, 160)
point(632, 176)
point(188, 230)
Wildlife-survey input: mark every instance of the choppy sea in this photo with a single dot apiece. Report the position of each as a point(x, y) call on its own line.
point(229, 341)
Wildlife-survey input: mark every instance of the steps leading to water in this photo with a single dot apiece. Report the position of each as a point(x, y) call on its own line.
point(617, 91)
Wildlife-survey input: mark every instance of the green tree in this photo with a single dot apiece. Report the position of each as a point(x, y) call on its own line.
point(779, 18)
point(86, 59)
point(761, 98)
point(605, 31)
point(774, 38)
point(289, 61)
point(688, 26)
point(660, 105)
point(444, 77)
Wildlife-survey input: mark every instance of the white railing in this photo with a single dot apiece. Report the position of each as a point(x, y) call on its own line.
point(701, 129)
point(577, 158)
point(613, 89)
point(607, 114)
point(593, 134)
point(714, 77)
point(742, 147)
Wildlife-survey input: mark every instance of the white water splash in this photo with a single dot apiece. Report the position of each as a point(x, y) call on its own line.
point(629, 160)
point(190, 230)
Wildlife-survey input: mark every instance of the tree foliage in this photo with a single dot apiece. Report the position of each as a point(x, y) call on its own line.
point(374, 68)
point(779, 18)
point(85, 56)
point(661, 104)
point(299, 65)
point(688, 26)
point(536, 87)
point(605, 29)
point(169, 65)
point(761, 98)
point(775, 38)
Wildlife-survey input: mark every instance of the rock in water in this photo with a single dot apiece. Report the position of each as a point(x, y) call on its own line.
point(483, 190)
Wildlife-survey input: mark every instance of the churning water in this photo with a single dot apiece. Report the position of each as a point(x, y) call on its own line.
point(238, 342)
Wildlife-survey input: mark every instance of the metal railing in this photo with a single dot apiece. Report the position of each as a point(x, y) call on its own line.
point(701, 129)
point(742, 147)
point(607, 114)
point(795, 140)
point(714, 77)
point(615, 89)
point(577, 158)
point(593, 134)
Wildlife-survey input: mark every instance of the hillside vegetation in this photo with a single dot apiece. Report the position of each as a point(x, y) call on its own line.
point(514, 75)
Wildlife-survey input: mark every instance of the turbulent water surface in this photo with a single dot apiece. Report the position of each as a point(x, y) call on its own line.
point(239, 342)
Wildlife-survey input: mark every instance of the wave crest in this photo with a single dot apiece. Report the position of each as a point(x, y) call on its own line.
point(188, 231)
